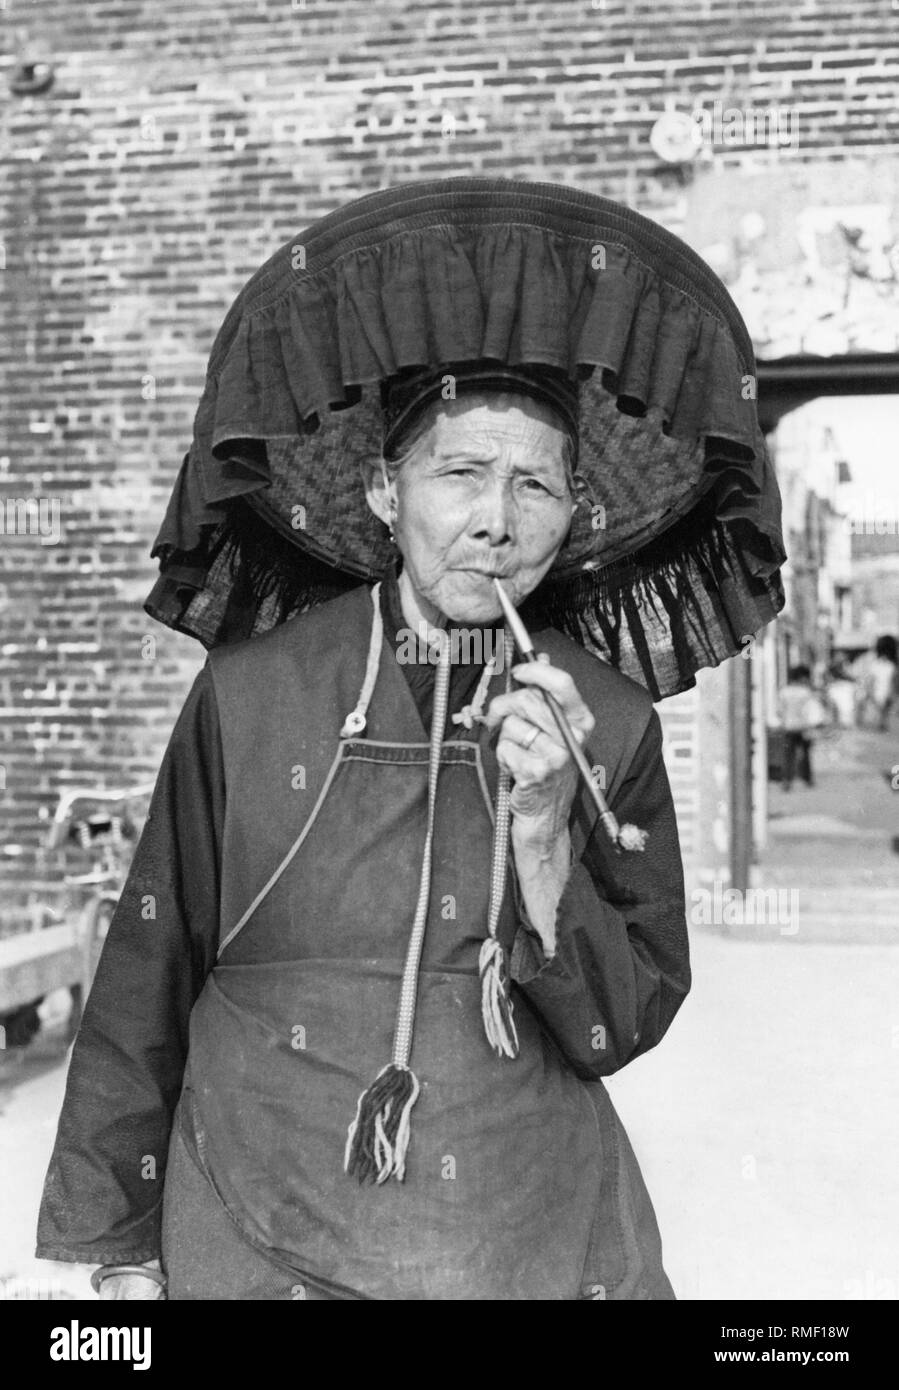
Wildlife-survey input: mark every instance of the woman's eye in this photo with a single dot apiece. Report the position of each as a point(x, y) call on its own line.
point(535, 485)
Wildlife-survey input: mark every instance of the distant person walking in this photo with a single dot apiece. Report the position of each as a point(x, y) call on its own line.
point(842, 692)
point(881, 683)
point(801, 713)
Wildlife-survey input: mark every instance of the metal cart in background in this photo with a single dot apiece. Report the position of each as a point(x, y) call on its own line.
point(63, 953)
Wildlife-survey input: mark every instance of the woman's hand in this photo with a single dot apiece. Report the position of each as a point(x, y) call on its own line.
point(133, 1286)
point(545, 777)
point(531, 747)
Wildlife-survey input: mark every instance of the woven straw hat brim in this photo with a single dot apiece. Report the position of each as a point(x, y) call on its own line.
point(269, 513)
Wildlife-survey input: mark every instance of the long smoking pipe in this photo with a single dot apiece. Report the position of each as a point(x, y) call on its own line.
point(526, 647)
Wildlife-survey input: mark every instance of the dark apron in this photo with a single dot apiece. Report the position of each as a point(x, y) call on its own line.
point(516, 1183)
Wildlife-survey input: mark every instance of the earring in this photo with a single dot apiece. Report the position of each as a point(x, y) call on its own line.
point(391, 525)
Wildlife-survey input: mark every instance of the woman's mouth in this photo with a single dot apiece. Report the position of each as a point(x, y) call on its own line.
point(494, 572)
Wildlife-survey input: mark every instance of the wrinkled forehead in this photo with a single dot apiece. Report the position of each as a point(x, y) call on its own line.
point(496, 425)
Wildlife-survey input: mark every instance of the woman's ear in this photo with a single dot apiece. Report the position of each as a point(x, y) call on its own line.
point(379, 492)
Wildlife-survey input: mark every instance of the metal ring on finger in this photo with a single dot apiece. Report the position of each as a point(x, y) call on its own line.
point(534, 735)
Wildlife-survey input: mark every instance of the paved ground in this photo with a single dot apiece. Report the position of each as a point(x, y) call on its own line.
point(31, 1088)
point(837, 843)
point(768, 1120)
point(767, 1123)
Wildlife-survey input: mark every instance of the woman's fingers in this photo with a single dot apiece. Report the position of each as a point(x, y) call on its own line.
point(540, 675)
point(533, 751)
point(544, 752)
point(527, 705)
point(530, 769)
point(531, 704)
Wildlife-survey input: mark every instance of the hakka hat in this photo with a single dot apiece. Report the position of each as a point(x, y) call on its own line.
point(339, 343)
point(675, 547)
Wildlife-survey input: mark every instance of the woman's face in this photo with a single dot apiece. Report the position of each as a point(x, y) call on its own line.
point(485, 492)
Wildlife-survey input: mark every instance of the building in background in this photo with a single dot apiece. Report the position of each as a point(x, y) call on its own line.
point(814, 477)
point(810, 252)
point(157, 153)
point(875, 581)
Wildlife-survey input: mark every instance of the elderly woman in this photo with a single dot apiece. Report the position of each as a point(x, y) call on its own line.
point(376, 951)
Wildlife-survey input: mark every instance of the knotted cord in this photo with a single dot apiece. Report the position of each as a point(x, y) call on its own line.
point(378, 1137)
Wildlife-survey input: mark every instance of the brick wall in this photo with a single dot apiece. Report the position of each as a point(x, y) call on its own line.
point(178, 145)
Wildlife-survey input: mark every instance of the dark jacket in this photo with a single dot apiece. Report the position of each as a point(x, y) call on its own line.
point(621, 966)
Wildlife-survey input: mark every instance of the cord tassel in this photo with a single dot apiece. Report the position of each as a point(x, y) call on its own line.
point(496, 1005)
point(378, 1138)
point(496, 1002)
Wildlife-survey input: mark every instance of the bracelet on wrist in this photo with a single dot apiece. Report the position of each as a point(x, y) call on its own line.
point(107, 1271)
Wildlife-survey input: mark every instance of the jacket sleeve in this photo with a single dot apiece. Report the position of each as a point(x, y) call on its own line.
point(102, 1200)
point(621, 968)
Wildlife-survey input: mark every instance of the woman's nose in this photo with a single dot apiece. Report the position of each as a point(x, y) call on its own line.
point(493, 520)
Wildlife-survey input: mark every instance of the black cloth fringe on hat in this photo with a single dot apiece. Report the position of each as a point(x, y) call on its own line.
point(692, 581)
point(531, 278)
